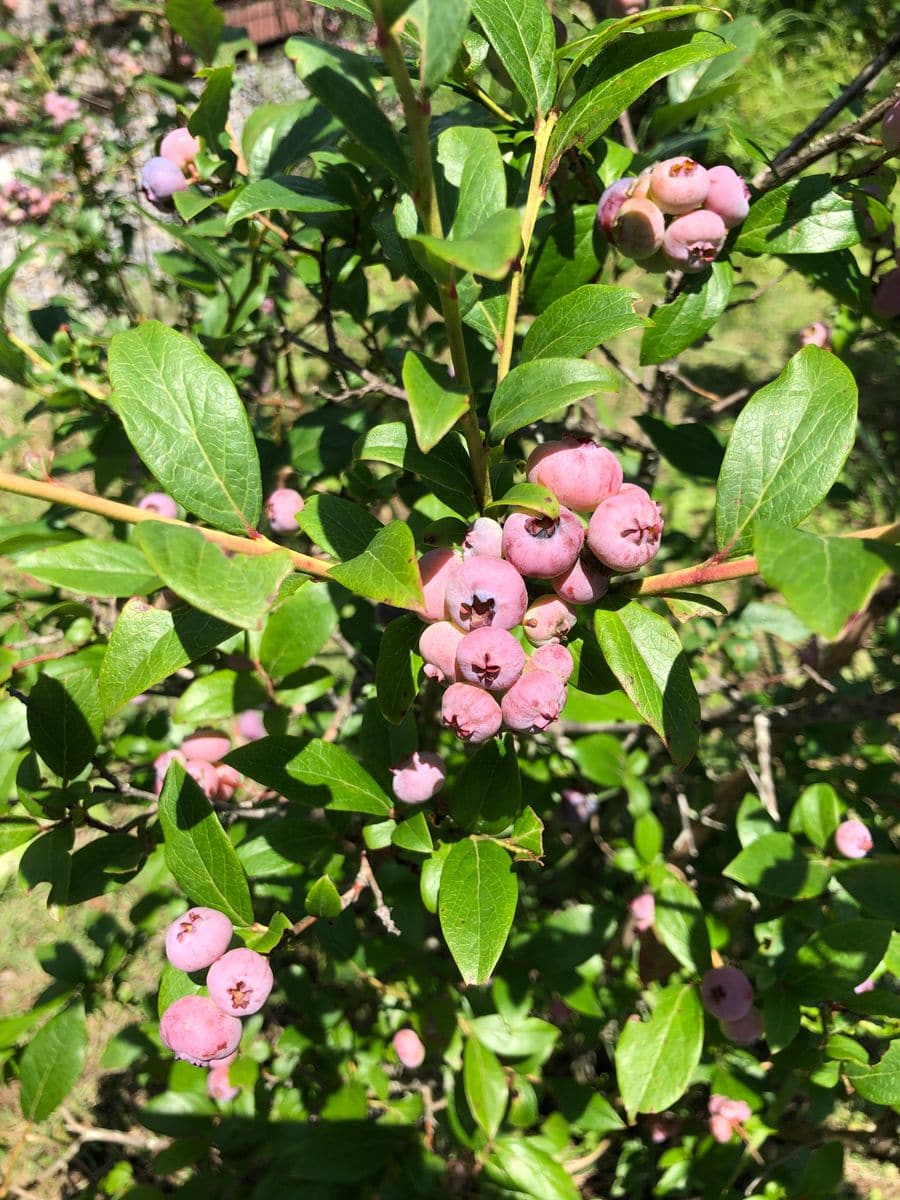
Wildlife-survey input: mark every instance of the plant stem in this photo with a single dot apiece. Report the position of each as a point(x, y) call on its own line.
point(114, 510)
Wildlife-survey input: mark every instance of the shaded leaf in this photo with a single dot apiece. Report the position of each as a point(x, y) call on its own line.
point(476, 906)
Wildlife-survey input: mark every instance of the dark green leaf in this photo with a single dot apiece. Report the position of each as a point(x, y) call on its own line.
point(875, 886)
point(199, 23)
point(691, 448)
point(48, 859)
point(286, 193)
point(540, 390)
point(52, 1063)
point(693, 313)
point(352, 789)
point(297, 630)
point(836, 959)
point(680, 923)
point(487, 794)
point(93, 567)
point(210, 117)
point(565, 255)
point(490, 250)
point(804, 216)
point(775, 865)
point(484, 1081)
point(65, 720)
point(528, 495)
point(581, 321)
point(525, 1165)
point(817, 813)
point(446, 468)
point(656, 1059)
point(397, 668)
point(434, 404)
point(341, 528)
point(387, 570)
point(441, 25)
point(476, 906)
point(323, 899)
point(521, 31)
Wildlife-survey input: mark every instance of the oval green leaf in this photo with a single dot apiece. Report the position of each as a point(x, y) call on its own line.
point(476, 906)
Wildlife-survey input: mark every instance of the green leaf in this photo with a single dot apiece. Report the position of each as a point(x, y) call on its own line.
point(92, 567)
point(173, 984)
point(645, 655)
point(268, 761)
point(387, 570)
point(564, 255)
point(434, 405)
point(48, 859)
point(516, 1037)
point(490, 250)
point(680, 923)
point(521, 31)
point(787, 447)
point(239, 589)
point(446, 468)
point(397, 668)
point(691, 314)
point(804, 216)
point(52, 1062)
point(656, 1059)
point(65, 720)
point(323, 899)
point(825, 580)
point(210, 117)
point(413, 834)
point(781, 1018)
point(183, 416)
point(528, 495)
point(836, 959)
point(286, 193)
point(540, 390)
point(149, 644)
point(199, 23)
point(341, 528)
point(487, 794)
point(265, 942)
point(218, 696)
point(691, 447)
point(875, 886)
point(817, 813)
point(528, 834)
point(197, 849)
point(278, 136)
point(525, 1165)
point(297, 630)
point(476, 906)
point(775, 865)
point(473, 167)
point(881, 1082)
point(15, 832)
point(484, 1081)
point(441, 25)
point(352, 789)
point(581, 321)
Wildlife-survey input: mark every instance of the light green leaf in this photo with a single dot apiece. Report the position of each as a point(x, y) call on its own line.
point(15, 832)
point(92, 567)
point(286, 193)
point(434, 404)
point(387, 570)
point(521, 31)
point(446, 468)
point(441, 25)
point(413, 834)
point(836, 959)
point(352, 789)
point(323, 899)
point(65, 720)
point(473, 166)
point(531, 496)
point(397, 667)
point(581, 321)
point(817, 813)
point(680, 922)
point(540, 390)
point(218, 696)
point(804, 216)
point(297, 630)
point(52, 1062)
point(484, 1081)
point(693, 313)
point(527, 1167)
point(199, 23)
point(656, 1059)
point(210, 117)
point(775, 865)
point(173, 984)
point(476, 906)
point(881, 1082)
point(490, 250)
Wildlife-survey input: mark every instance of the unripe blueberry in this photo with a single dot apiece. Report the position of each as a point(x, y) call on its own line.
point(721, 1129)
point(890, 128)
point(585, 582)
point(473, 714)
point(483, 538)
point(195, 1030)
point(239, 982)
point(728, 196)
point(438, 645)
point(282, 507)
point(409, 1048)
point(886, 295)
point(625, 531)
point(678, 185)
point(643, 911)
point(534, 702)
point(745, 1030)
point(490, 658)
point(228, 781)
point(542, 546)
point(611, 201)
point(693, 241)
point(160, 504)
point(486, 591)
point(639, 228)
point(418, 777)
point(161, 179)
point(204, 775)
point(726, 992)
point(436, 568)
point(218, 1084)
point(161, 765)
point(552, 657)
point(180, 147)
point(816, 334)
point(853, 839)
point(580, 473)
point(250, 725)
point(549, 619)
point(206, 745)
point(195, 940)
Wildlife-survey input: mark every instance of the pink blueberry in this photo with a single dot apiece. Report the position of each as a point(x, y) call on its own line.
point(484, 538)
point(728, 196)
point(218, 1084)
point(436, 568)
point(625, 530)
point(727, 993)
point(580, 473)
point(251, 726)
point(534, 702)
point(541, 546)
point(197, 938)
point(204, 775)
point(180, 147)
point(195, 1030)
point(585, 582)
point(549, 619)
point(725, 1115)
point(161, 766)
point(473, 714)
point(853, 839)
point(409, 1048)
point(890, 128)
point(486, 591)
point(490, 658)
point(745, 1030)
point(161, 179)
point(228, 781)
point(160, 504)
point(438, 645)
point(886, 295)
point(678, 185)
point(418, 777)
point(239, 982)
point(643, 911)
point(693, 241)
point(867, 985)
point(282, 507)
point(206, 745)
point(552, 657)
point(816, 334)
point(640, 189)
point(611, 201)
point(639, 228)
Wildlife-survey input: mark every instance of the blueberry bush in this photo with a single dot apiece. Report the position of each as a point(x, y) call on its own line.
point(453, 690)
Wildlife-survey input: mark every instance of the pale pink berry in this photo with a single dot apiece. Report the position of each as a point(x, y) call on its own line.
point(251, 726)
point(624, 8)
point(195, 1030)
point(678, 185)
point(490, 658)
point(204, 775)
point(409, 1048)
point(542, 546)
point(438, 645)
point(640, 189)
point(239, 982)
point(693, 241)
point(643, 911)
point(639, 228)
point(484, 538)
point(552, 657)
point(585, 582)
point(890, 128)
point(725, 1115)
point(282, 507)
point(60, 108)
point(436, 568)
point(161, 766)
point(580, 473)
point(160, 504)
point(721, 1129)
point(534, 702)
point(886, 295)
point(611, 201)
point(816, 334)
point(228, 781)
point(218, 1084)
point(206, 745)
point(418, 777)
point(867, 985)
point(745, 1030)
point(548, 619)
point(473, 714)
point(197, 938)
point(728, 196)
point(625, 530)
point(726, 992)
point(486, 591)
point(180, 147)
point(161, 179)
point(853, 839)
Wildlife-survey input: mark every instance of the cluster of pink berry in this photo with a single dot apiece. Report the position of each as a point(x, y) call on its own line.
point(476, 596)
point(200, 754)
point(704, 205)
point(206, 1030)
point(169, 171)
point(727, 994)
point(726, 1116)
point(22, 202)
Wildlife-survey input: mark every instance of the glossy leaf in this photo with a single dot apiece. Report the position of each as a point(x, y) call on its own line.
point(91, 566)
point(434, 404)
point(285, 193)
point(476, 906)
point(397, 667)
point(473, 168)
point(817, 813)
point(656, 1059)
point(804, 216)
point(487, 793)
point(218, 696)
point(414, 835)
point(690, 315)
point(387, 570)
point(541, 390)
point(323, 899)
point(351, 788)
point(484, 1081)
point(341, 528)
point(516, 1037)
point(531, 496)
point(199, 23)
point(879, 1083)
point(581, 321)
point(490, 250)
point(446, 468)
point(441, 25)
point(521, 32)
point(52, 1062)
point(775, 865)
